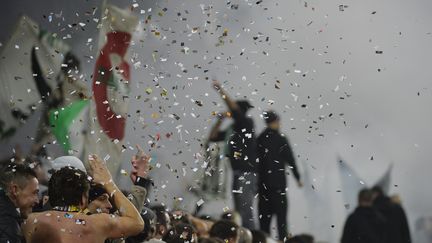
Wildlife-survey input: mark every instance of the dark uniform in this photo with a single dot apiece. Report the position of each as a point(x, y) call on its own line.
point(10, 221)
point(397, 221)
point(365, 225)
point(274, 152)
point(240, 148)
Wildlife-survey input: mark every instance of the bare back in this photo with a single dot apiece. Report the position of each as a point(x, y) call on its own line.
point(65, 227)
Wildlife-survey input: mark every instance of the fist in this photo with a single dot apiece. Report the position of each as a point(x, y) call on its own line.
point(216, 85)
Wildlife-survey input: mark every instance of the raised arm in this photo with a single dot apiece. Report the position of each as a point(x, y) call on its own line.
point(139, 176)
point(215, 133)
point(129, 222)
point(232, 105)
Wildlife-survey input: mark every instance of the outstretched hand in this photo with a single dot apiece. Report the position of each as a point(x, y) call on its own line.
point(100, 172)
point(140, 164)
point(216, 85)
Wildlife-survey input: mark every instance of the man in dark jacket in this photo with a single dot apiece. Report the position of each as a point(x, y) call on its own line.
point(274, 152)
point(18, 194)
point(365, 224)
point(397, 221)
point(241, 150)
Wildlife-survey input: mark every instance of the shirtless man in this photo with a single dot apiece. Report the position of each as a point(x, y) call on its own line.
point(68, 194)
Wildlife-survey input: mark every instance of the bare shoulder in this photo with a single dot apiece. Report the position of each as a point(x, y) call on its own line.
point(31, 221)
point(54, 226)
point(35, 226)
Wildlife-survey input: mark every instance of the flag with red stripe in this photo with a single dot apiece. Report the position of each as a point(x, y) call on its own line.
point(111, 89)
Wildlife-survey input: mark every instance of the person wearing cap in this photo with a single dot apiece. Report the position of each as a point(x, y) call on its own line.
point(274, 152)
point(240, 148)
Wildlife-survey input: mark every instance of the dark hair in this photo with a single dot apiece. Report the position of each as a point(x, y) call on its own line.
point(378, 190)
point(270, 116)
point(181, 233)
point(160, 212)
point(18, 173)
point(66, 187)
point(224, 229)
point(96, 190)
point(258, 236)
point(365, 195)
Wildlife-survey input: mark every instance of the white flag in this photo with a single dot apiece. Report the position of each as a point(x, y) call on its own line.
point(29, 66)
point(111, 77)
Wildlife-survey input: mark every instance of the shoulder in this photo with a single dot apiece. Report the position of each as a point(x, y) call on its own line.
point(36, 219)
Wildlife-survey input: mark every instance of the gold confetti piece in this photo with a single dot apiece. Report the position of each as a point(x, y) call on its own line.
point(164, 93)
point(148, 90)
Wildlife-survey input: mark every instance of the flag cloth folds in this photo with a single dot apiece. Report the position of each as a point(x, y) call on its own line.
point(351, 184)
point(384, 181)
point(111, 77)
point(30, 63)
point(67, 126)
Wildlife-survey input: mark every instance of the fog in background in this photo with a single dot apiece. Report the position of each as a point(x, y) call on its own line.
point(349, 78)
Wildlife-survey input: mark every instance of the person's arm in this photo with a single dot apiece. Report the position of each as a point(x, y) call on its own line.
point(288, 156)
point(129, 222)
point(237, 114)
point(215, 134)
point(232, 105)
point(139, 176)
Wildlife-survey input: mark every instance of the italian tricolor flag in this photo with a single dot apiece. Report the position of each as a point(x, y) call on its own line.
point(111, 81)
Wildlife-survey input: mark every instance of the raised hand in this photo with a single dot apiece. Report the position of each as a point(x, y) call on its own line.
point(140, 164)
point(101, 174)
point(216, 85)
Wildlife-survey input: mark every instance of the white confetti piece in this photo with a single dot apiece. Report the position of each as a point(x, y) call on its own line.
point(200, 202)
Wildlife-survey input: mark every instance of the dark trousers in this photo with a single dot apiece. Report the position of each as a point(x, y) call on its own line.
point(273, 202)
point(244, 190)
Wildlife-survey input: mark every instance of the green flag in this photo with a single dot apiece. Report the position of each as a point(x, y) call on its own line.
point(67, 125)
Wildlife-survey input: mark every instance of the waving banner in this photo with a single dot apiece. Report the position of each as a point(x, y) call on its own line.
point(111, 78)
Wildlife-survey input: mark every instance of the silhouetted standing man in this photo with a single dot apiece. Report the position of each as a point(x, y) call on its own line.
point(274, 152)
point(240, 148)
point(397, 221)
point(365, 224)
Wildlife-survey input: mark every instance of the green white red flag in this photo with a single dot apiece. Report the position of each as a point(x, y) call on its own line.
point(111, 77)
